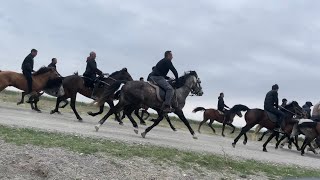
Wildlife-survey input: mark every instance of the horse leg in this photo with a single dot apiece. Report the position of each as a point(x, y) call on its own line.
point(156, 122)
point(65, 103)
point(304, 145)
point(243, 131)
point(180, 114)
point(268, 140)
point(145, 112)
point(210, 125)
point(56, 110)
point(35, 102)
point(201, 123)
point(233, 128)
point(128, 111)
point(169, 121)
point(295, 142)
point(279, 141)
point(263, 134)
point(73, 106)
point(97, 113)
point(223, 126)
point(22, 98)
point(136, 112)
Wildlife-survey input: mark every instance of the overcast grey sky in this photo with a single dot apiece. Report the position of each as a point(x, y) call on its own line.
point(239, 47)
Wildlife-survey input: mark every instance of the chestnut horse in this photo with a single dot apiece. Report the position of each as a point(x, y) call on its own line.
point(215, 115)
point(17, 80)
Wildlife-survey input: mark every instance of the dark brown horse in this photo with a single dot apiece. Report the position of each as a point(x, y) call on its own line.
point(215, 115)
point(259, 116)
point(17, 80)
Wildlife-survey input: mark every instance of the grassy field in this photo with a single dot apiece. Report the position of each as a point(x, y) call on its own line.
point(183, 159)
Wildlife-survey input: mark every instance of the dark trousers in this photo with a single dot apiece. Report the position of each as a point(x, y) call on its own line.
point(28, 76)
point(161, 81)
point(278, 113)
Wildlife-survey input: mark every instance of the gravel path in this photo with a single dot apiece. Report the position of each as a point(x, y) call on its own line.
point(21, 117)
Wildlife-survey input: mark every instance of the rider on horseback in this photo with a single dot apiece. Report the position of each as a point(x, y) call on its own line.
point(92, 71)
point(221, 105)
point(284, 102)
point(27, 68)
point(307, 109)
point(159, 75)
point(271, 104)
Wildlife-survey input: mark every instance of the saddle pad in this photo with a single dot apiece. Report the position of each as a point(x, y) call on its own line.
point(159, 92)
point(272, 117)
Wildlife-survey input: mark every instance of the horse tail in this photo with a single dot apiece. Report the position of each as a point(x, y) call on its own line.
point(198, 109)
point(109, 91)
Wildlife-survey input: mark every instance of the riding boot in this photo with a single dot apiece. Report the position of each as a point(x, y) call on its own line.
point(166, 108)
point(96, 86)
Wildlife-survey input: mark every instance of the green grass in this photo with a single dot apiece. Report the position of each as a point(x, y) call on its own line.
point(183, 159)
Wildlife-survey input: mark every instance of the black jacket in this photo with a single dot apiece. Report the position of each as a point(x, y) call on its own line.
point(91, 69)
point(271, 101)
point(162, 68)
point(221, 104)
point(52, 65)
point(307, 109)
point(27, 64)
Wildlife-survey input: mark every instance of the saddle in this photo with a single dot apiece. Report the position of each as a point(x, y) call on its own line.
point(271, 116)
point(160, 93)
point(90, 83)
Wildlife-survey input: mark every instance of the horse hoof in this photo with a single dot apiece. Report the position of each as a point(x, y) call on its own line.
point(244, 142)
point(276, 147)
point(302, 154)
point(143, 123)
point(265, 150)
point(121, 123)
point(136, 130)
point(234, 145)
point(223, 135)
point(194, 137)
point(90, 113)
point(259, 139)
point(175, 130)
point(144, 134)
point(290, 146)
point(97, 127)
point(18, 103)
point(52, 112)
point(39, 111)
point(80, 119)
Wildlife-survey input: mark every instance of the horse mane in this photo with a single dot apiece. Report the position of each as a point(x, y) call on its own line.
point(53, 83)
point(239, 107)
point(293, 103)
point(42, 70)
point(117, 72)
point(182, 80)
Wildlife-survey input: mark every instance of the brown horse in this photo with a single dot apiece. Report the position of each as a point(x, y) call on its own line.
point(17, 80)
point(74, 84)
point(215, 115)
point(259, 116)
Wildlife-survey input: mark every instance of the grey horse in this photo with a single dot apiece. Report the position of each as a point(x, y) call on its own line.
point(137, 94)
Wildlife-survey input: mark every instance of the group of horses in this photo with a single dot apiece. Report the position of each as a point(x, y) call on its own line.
point(134, 95)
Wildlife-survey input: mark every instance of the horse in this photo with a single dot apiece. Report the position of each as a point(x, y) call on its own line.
point(310, 129)
point(259, 116)
point(17, 80)
point(212, 115)
point(136, 94)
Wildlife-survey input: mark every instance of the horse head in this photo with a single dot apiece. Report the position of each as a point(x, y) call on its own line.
point(193, 82)
point(48, 71)
point(295, 109)
point(122, 75)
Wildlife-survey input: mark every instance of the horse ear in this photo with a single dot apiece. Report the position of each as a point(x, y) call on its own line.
point(125, 69)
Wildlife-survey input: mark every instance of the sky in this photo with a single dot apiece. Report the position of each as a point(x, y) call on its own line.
point(238, 47)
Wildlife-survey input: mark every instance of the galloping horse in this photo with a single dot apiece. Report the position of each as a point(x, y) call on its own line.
point(74, 84)
point(259, 116)
point(136, 94)
point(215, 115)
point(17, 80)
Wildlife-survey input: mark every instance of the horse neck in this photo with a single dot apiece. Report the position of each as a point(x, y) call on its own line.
point(185, 90)
point(43, 78)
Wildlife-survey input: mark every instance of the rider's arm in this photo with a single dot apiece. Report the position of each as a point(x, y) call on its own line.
point(173, 70)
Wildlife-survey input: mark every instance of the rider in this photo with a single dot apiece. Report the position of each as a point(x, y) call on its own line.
point(221, 105)
point(284, 102)
point(316, 112)
point(271, 104)
point(307, 108)
point(27, 68)
point(92, 71)
point(53, 63)
point(159, 75)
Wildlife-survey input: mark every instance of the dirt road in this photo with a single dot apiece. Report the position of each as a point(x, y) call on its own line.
point(21, 117)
